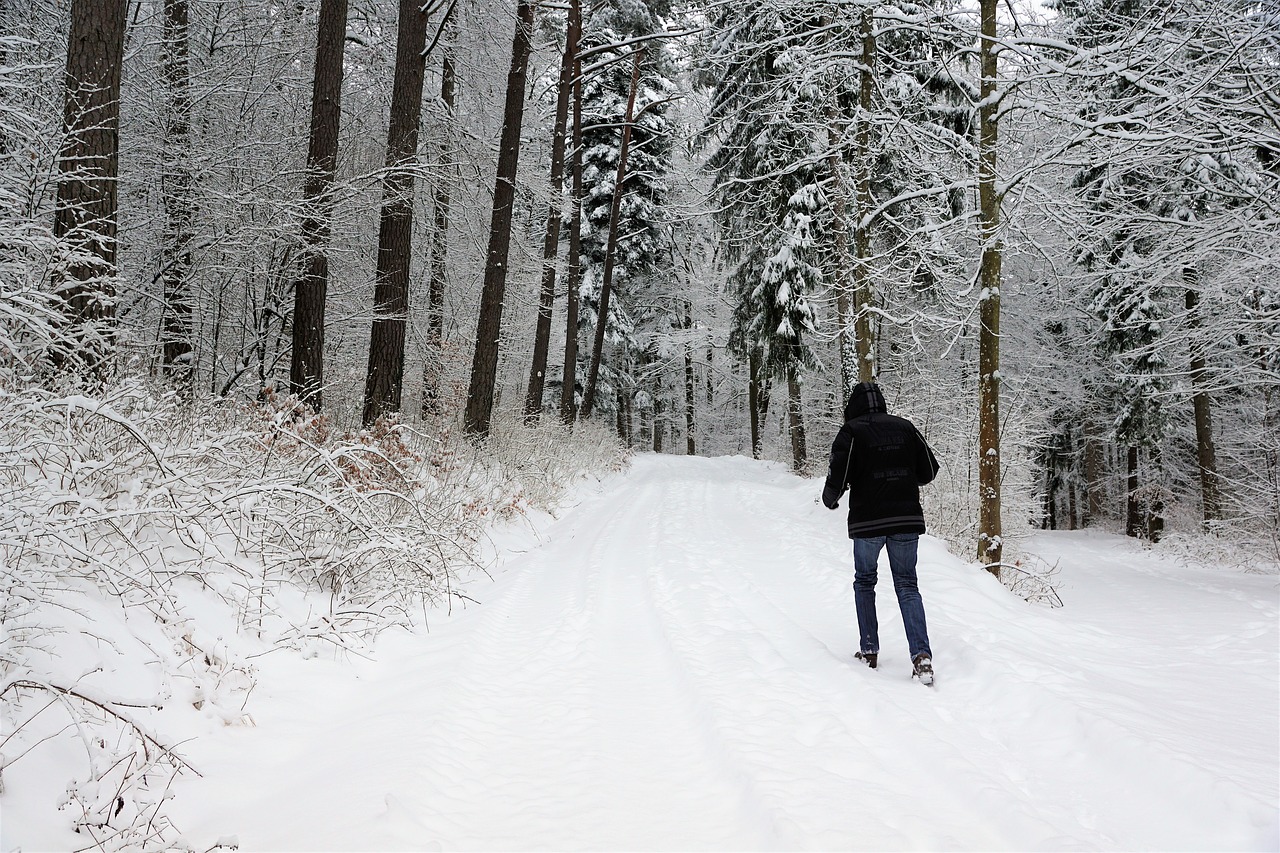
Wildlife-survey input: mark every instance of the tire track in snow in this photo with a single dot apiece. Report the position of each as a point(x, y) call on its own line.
point(671, 668)
point(807, 732)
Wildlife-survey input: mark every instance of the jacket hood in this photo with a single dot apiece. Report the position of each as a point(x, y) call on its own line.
point(865, 399)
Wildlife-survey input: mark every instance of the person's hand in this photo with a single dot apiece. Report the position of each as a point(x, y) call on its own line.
point(835, 504)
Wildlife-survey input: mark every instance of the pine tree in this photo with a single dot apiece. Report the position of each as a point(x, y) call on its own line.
point(643, 244)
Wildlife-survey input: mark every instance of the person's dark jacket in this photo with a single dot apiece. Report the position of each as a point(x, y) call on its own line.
point(883, 460)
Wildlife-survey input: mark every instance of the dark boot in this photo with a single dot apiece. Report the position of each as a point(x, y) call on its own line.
point(922, 668)
point(869, 658)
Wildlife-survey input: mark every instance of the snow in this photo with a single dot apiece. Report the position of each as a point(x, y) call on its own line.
point(669, 666)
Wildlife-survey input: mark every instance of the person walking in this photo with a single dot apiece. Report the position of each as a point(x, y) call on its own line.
point(883, 461)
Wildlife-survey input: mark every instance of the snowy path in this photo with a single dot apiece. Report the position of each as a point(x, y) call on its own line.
point(671, 669)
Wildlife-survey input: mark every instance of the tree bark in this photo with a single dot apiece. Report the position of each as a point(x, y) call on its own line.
point(845, 335)
point(175, 183)
point(795, 420)
point(384, 382)
point(1201, 402)
point(568, 407)
point(990, 539)
point(862, 295)
point(1092, 474)
point(310, 290)
point(484, 365)
point(438, 256)
point(611, 245)
point(551, 233)
point(88, 163)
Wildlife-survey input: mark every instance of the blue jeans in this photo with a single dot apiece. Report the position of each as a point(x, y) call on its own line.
point(902, 562)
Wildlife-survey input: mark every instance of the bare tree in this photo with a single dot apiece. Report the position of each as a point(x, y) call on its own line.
point(484, 366)
point(306, 368)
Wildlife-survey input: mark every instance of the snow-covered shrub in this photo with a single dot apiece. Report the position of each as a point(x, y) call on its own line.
point(149, 547)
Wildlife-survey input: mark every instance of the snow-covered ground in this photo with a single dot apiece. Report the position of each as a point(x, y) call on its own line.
point(669, 666)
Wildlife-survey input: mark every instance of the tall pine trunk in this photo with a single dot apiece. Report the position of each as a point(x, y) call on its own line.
point(484, 365)
point(611, 244)
point(310, 290)
point(175, 193)
point(862, 295)
point(88, 163)
point(551, 233)
point(384, 382)
point(569, 376)
point(1206, 455)
point(990, 539)
point(439, 254)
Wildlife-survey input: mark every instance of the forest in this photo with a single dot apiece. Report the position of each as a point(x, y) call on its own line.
point(311, 292)
point(1048, 232)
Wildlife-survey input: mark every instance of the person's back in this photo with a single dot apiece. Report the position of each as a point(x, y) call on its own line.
point(883, 460)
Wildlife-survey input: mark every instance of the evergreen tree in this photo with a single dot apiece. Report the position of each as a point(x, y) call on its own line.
point(640, 281)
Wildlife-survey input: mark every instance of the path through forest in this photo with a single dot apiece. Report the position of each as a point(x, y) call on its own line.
point(670, 667)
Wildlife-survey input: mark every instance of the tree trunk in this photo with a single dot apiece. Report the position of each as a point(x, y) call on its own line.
point(845, 335)
point(611, 245)
point(1133, 502)
point(1207, 456)
point(551, 234)
point(568, 408)
point(659, 424)
point(690, 384)
point(88, 163)
point(1093, 462)
point(310, 290)
point(622, 416)
point(753, 401)
point(1153, 516)
point(484, 365)
point(711, 390)
point(862, 228)
point(1073, 488)
point(795, 420)
point(438, 257)
point(990, 539)
point(384, 382)
point(175, 192)
point(690, 428)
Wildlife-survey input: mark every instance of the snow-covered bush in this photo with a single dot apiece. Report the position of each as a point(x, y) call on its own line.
point(150, 546)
